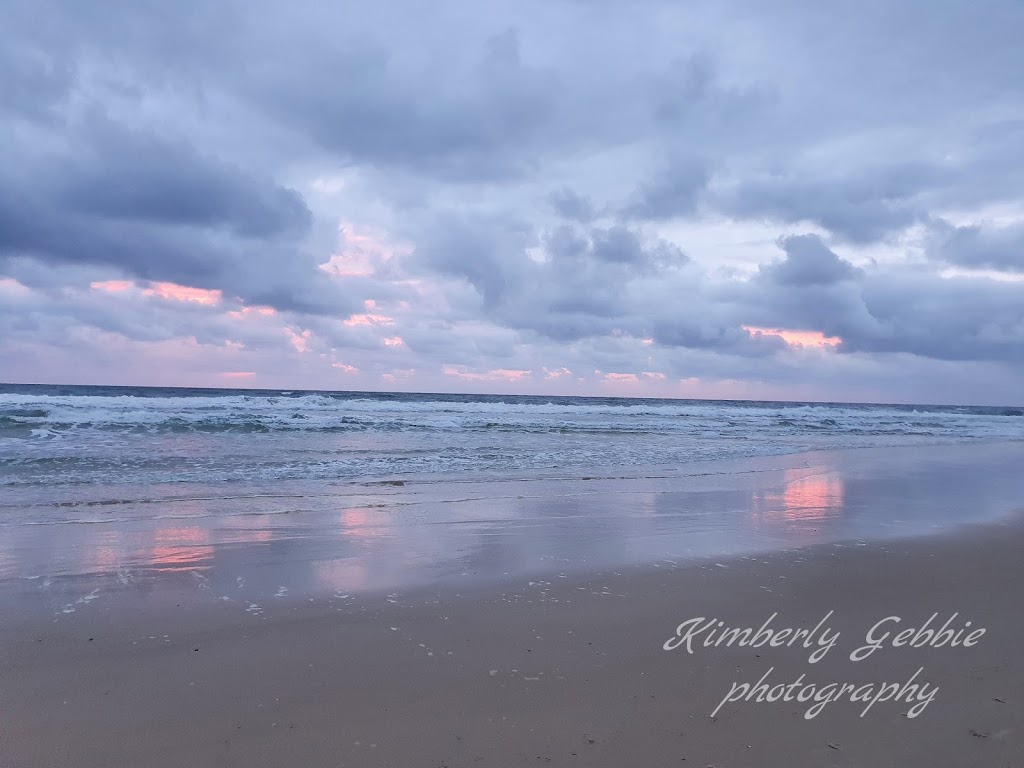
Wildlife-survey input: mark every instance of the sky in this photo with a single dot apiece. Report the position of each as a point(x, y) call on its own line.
point(729, 199)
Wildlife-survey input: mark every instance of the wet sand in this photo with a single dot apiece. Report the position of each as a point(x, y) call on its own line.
point(564, 670)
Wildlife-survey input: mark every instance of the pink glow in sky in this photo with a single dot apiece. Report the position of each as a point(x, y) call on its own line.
point(175, 292)
point(299, 340)
point(251, 311)
point(796, 338)
point(620, 378)
point(370, 320)
point(162, 290)
point(112, 286)
point(498, 374)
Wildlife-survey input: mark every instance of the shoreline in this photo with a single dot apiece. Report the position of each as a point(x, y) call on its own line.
point(386, 536)
point(559, 671)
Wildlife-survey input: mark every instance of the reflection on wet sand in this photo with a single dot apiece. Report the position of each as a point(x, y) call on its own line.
point(365, 523)
point(803, 504)
point(341, 575)
point(180, 549)
point(307, 540)
point(108, 554)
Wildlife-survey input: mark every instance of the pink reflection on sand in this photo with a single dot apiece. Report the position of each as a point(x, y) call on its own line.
point(107, 555)
point(804, 499)
point(365, 523)
point(180, 549)
point(341, 575)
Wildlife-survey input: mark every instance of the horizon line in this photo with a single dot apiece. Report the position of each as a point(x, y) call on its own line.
point(281, 390)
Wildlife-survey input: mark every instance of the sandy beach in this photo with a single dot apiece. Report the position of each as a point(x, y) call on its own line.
point(564, 668)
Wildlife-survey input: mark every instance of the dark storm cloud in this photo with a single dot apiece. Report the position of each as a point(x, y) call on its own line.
point(960, 319)
point(157, 209)
point(578, 289)
point(673, 192)
point(572, 206)
point(34, 82)
point(129, 175)
point(358, 102)
point(591, 282)
point(808, 262)
point(860, 208)
point(882, 310)
point(988, 246)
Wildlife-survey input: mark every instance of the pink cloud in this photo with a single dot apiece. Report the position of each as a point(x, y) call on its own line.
point(498, 374)
point(795, 338)
point(393, 341)
point(363, 251)
point(620, 377)
point(654, 375)
point(403, 373)
point(184, 293)
point(238, 374)
point(111, 286)
point(299, 340)
point(345, 368)
point(556, 373)
point(237, 314)
point(369, 320)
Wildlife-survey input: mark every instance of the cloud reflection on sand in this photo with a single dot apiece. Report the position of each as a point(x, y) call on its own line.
point(365, 523)
point(805, 502)
point(180, 549)
point(308, 539)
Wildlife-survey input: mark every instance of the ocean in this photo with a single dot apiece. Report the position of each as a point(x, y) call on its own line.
point(362, 490)
point(56, 436)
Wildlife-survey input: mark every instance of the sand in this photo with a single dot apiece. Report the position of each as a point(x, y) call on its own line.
point(561, 670)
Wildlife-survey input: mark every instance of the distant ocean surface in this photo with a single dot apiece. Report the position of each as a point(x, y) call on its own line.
point(52, 436)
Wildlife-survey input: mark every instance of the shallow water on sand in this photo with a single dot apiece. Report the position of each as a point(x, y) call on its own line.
point(297, 538)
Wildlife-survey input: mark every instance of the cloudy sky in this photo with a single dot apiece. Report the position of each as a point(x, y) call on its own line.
point(796, 200)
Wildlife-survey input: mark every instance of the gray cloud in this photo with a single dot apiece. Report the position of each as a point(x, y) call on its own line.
point(808, 262)
point(980, 246)
point(157, 209)
point(859, 208)
point(673, 192)
point(569, 205)
point(623, 196)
